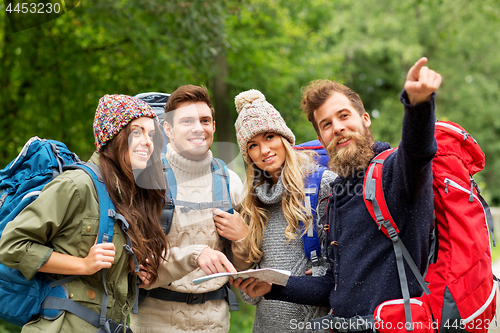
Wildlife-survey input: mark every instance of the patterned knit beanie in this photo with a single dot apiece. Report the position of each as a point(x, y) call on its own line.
point(114, 112)
point(257, 116)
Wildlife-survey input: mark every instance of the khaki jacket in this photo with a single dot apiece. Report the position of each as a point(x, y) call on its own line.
point(65, 219)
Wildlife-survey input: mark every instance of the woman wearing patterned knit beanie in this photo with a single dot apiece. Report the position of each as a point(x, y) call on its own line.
point(56, 234)
point(274, 205)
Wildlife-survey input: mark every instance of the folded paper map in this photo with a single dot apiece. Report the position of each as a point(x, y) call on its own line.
point(276, 276)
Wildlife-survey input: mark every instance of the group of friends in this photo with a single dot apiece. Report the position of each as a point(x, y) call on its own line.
point(56, 234)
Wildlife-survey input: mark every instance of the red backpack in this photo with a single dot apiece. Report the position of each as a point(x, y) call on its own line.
point(460, 295)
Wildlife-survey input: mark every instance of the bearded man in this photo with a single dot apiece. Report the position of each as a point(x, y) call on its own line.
point(363, 271)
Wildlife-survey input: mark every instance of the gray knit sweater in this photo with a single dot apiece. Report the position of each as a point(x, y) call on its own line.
point(278, 316)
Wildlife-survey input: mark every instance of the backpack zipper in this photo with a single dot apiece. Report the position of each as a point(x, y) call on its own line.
point(452, 183)
point(456, 129)
point(471, 194)
point(394, 302)
point(24, 151)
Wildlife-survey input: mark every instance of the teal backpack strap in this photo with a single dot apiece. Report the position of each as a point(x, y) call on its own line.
point(310, 239)
point(222, 196)
point(167, 212)
point(106, 225)
point(222, 200)
point(171, 183)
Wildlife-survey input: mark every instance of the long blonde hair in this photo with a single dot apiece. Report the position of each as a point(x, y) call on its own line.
point(296, 166)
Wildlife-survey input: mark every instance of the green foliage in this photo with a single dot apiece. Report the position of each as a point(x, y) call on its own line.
point(8, 328)
point(380, 40)
point(495, 253)
point(277, 47)
point(53, 75)
point(242, 320)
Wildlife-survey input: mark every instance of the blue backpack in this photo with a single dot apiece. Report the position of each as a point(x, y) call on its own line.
point(21, 182)
point(312, 246)
point(157, 101)
point(316, 146)
point(310, 239)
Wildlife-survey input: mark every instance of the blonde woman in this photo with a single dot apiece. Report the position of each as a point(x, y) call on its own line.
point(274, 206)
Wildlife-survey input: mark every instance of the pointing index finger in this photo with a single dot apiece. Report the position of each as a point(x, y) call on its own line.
point(229, 266)
point(414, 71)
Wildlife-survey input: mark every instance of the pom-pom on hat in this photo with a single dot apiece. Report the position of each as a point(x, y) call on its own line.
point(257, 116)
point(114, 112)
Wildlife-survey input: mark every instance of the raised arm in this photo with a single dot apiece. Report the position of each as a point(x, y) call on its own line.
point(412, 167)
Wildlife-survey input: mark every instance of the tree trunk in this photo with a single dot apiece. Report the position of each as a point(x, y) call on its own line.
point(225, 147)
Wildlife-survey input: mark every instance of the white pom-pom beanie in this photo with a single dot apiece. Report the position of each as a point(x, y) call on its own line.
point(257, 116)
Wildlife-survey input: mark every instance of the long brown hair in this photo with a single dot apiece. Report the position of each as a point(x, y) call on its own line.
point(295, 168)
point(140, 205)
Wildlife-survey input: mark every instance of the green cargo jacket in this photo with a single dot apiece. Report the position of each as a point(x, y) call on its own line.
point(65, 219)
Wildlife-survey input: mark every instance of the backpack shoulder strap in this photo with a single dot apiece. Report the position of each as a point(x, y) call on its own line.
point(106, 207)
point(167, 212)
point(221, 193)
point(310, 239)
point(222, 196)
point(170, 182)
point(221, 180)
point(373, 194)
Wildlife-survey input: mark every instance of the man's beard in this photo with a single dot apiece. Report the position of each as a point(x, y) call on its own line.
point(353, 158)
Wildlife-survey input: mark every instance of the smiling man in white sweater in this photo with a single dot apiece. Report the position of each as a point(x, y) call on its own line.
point(189, 125)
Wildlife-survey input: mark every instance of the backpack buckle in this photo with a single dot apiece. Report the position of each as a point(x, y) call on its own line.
point(391, 231)
point(186, 209)
point(195, 298)
point(170, 203)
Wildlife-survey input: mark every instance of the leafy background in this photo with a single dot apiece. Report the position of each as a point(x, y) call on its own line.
point(52, 75)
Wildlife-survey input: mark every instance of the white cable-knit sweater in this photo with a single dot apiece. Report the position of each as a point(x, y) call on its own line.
point(191, 231)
